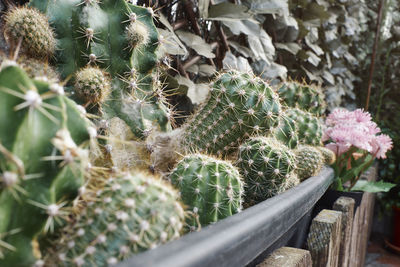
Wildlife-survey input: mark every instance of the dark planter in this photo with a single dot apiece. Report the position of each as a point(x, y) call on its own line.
point(244, 238)
point(396, 226)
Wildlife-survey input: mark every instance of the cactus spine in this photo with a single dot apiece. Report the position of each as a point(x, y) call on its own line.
point(303, 96)
point(43, 160)
point(212, 188)
point(100, 33)
point(309, 161)
point(265, 164)
point(309, 127)
point(133, 212)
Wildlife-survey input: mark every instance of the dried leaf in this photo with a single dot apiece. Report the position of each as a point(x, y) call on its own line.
point(196, 43)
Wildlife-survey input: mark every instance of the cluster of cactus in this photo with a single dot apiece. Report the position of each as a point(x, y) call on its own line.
point(108, 48)
point(43, 136)
point(212, 188)
point(132, 213)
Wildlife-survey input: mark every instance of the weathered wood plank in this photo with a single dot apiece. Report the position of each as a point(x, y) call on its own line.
point(323, 240)
point(288, 257)
point(346, 206)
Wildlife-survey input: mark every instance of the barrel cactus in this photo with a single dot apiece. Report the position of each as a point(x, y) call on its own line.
point(43, 136)
point(309, 161)
point(309, 127)
point(328, 155)
point(286, 132)
point(304, 96)
point(212, 188)
point(120, 38)
point(265, 164)
point(132, 213)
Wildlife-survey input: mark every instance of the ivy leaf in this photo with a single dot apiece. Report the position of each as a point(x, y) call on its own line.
point(372, 187)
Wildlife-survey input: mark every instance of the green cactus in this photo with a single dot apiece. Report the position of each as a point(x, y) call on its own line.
point(328, 155)
point(309, 127)
point(303, 96)
point(309, 161)
point(265, 164)
point(28, 28)
point(42, 160)
point(286, 132)
point(212, 188)
point(132, 213)
point(121, 38)
point(291, 181)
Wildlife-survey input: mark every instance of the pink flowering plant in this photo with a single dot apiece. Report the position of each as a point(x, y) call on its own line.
point(357, 141)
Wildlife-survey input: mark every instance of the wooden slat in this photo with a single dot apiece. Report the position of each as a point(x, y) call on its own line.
point(288, 257)
point(324, 238)
point(346, 206)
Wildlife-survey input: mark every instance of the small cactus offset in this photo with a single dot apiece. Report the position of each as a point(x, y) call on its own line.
point(265, 164)
point(309, 127)
point(132, 213)
point(212, 188)
point(120, 38)
point(328, 155)
point(240, 105)
point(303, 96)
point(292, 181)
point(309, 161)
point(43, 136)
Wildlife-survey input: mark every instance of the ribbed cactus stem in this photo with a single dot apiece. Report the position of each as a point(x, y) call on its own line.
point(309, 127)
point(212, 188)
point(309, 161)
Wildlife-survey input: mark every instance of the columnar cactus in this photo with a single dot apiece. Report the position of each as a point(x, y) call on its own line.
point(309, 127)
point(212, 188)
point(239, 106)
point(265, 164)
point(132, 213)
point(309, 161)
point(121, 38)
point(303, 96)
point(43, 160)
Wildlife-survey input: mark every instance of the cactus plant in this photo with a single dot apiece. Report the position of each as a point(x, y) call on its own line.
point(265, 164)
point(132, 213)
point(309, 127)
point(303, 96)
point(286, 132)
point(121, 38)
point(212, 188)
point(309, 161)
point(291, 181)
point(42, 160)
point(328, 155)
point(30, 29)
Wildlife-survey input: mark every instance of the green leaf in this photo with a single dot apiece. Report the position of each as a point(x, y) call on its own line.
point(372, 187)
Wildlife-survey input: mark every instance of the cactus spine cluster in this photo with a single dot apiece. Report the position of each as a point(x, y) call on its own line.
point(212, 188)
point(303, 96)
point(132, 213)
point(266, 164)
point(121, 38)
point(309, 126)
point(43, 160)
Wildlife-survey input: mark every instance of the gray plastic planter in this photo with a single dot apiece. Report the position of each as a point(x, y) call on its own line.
point(244, 238)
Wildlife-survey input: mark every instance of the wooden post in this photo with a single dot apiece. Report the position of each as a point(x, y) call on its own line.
point(362, 224)
point(346, 206)
point(324, 238)
point(288, 257)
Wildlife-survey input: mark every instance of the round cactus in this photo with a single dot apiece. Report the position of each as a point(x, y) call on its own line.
point(303, 96)
point(309, 161)
point(292, 181)
point(32, 29)
point(309, 127)
point(286, 132)
point(212, 188)
point(132, 213)
point(92, 85)
point(328, 155)
point(265, 164)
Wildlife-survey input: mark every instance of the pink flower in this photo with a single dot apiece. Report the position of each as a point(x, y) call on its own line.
point(338, 149)
point(380, 145)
